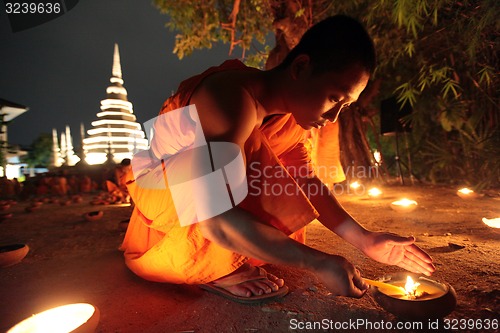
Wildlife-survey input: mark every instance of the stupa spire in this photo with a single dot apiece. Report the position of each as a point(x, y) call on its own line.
point(115, 134)
point(117, 67)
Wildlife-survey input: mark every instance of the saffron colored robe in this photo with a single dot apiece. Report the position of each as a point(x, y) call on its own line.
point(158, 248)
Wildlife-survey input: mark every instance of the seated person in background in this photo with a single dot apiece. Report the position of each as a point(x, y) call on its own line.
point(117, 186)
point(267, 114)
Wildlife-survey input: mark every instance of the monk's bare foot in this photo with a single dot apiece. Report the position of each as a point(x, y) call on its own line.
point(249, 280)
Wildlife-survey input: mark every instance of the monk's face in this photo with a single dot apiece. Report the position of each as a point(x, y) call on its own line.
point(317, 98)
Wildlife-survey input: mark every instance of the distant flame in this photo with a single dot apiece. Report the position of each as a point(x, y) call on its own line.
point(411, 287)
point(494, 223)
point(465, 190)
point(355, 185)
point(404, 202)
point(374, 192)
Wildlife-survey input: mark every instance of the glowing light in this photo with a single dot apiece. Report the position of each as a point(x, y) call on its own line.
point(378, 156)
point(95, 158)
point(404, 205)
point(116, 90)
point(355, 185)
point(465, 190)
point(61, 319)
point(411, 287)
point(374, 192)
point(116, 80)
point(466, 193)
point(114, 102)
point(106, 139)
point(116, 122)
point(112, 130)
point(116, 113)
point(493, 223)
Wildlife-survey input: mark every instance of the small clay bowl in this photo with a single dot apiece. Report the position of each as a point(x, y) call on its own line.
point(4, 206)
point(410, 207)
point(93, 216)
point(36, 204)
point(5, 216)
point(12, 254)
point(426, 307)
point(31, 209)
point(468, 195)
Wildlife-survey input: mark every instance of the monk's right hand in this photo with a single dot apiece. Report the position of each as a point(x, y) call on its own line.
point(341, 277)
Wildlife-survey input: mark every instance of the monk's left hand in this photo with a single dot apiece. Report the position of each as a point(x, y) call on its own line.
point(396, 250)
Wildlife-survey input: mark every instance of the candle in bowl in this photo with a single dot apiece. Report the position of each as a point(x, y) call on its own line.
point(466, 193)
point(404, 205)
point(355, 185)
point(79, 317)
point(493, 223)
point(427, 299)
point(374, 192)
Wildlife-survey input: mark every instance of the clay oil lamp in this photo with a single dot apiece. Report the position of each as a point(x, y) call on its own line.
point(31, 209)
point(79, 317)
point(65, 202)
point(5, 216)
point(37, 204)
point(93, 216)
point(493, 223)
point(466, 193)
point(12, 254)
point(4, 206)
point(374, 193)
point(404, 205)
point(412, 297)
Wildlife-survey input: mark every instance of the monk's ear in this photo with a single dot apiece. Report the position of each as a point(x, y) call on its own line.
point(299, 66)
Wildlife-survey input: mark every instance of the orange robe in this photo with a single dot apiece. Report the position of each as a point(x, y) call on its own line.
point(157, 248)
point(325, 154)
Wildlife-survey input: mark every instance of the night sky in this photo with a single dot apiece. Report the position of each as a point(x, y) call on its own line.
point(61, 69)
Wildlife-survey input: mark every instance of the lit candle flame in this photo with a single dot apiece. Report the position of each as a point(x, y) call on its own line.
point(493, 223)
point(355, 185)
point(374, 192)
point(61, 319)
point(404, 202)
point(411, 287)
point(466, 193)
point(465, 190)
point(404, 205)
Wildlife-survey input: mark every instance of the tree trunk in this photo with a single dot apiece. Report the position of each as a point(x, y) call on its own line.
point(355, 152)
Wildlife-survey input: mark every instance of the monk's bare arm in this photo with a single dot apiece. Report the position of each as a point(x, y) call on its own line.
point(381, 246)
point(332, 214)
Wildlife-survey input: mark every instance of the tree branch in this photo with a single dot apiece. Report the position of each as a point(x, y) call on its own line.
point(231, 26)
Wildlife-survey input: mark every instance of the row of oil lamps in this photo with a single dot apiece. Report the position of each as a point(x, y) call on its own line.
point(406, 205)
point(85, 317)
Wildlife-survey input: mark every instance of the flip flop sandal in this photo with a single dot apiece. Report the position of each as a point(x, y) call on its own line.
point(217, 287)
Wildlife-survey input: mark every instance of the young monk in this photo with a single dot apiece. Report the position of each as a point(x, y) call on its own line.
point(267, 114)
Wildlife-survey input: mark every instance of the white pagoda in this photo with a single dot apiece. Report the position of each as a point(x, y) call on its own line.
point(116, 134)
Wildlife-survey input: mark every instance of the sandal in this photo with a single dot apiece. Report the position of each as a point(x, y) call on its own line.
point(218, 287)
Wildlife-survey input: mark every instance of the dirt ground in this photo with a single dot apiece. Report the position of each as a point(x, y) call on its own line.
point(72, 260)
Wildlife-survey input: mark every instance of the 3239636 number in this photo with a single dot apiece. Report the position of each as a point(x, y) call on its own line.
point(32, 8)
